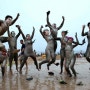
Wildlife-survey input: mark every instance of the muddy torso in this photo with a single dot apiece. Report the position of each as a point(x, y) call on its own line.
point(28, 47)
point(50, 42)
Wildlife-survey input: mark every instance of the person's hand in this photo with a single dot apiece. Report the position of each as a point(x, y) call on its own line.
point(18, 15)
point(41, 26)
point(83, 41)
point(63, 17)
point(33, 28)
point(46, 25)
point(48, 12)
point(76, 34)
point(17, 26)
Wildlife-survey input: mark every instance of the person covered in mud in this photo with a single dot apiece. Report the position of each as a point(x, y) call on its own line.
point(28, 51)
point(13, 54)
point(63, 41)
point(22, 52)
point(49, 51)
point(70, 57)
point(54, 29)
point(87, 53)
point(4, 24)
point(3, 58)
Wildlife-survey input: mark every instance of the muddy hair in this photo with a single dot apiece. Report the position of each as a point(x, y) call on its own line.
point(27, 35)
point(8, 16)
point(44, 31)
point(65, 32)
point(88, 24)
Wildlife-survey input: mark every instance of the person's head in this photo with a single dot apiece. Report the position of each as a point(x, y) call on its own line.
point(46, 32)
point(64, 33)
point(13, 34)
point(54, 25)
point(21, 41)
point(8, 19)
point(88, 25)
point(70, 40)
point(28, 36)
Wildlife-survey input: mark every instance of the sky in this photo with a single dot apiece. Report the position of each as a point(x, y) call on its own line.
point(33, 13)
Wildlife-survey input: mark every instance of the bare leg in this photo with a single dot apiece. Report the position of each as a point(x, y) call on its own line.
point(16, 60)
point(23, 62)
point(35, 61)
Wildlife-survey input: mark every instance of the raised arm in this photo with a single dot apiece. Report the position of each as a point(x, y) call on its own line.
point(48, 23)
point(76, 39)
point(61, 23)
point(41, 31)
point(83, 34)
point(15, 19)
point(21, 31)
point(32, 33)
point(18, 33)
point(47, 19)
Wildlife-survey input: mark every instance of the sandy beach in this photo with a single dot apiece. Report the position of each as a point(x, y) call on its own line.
point(41, 80)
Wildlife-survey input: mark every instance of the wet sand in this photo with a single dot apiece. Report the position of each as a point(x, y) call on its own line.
point(42, 81)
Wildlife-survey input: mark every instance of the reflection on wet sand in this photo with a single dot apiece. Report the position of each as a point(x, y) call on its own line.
point(42, 81)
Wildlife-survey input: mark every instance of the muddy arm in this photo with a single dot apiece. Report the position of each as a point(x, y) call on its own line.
point(61, 23)
point(47, 19)
point(21, 31)
point(15, 19)
point(4, 39)
point(83, 34)
point(32, 34)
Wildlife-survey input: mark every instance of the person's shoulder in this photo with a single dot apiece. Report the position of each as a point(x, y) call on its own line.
point(1, 21)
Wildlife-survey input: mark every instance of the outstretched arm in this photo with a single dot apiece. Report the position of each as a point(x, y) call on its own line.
point(20, 31)
point(32, 33)
point(61, 23)
point(15, 19)
point(83, 34)
point(59, 39)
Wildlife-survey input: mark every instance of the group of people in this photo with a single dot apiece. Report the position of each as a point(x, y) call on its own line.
point(50, 35)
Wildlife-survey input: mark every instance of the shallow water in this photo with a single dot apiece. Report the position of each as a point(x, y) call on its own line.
point(42, 81)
